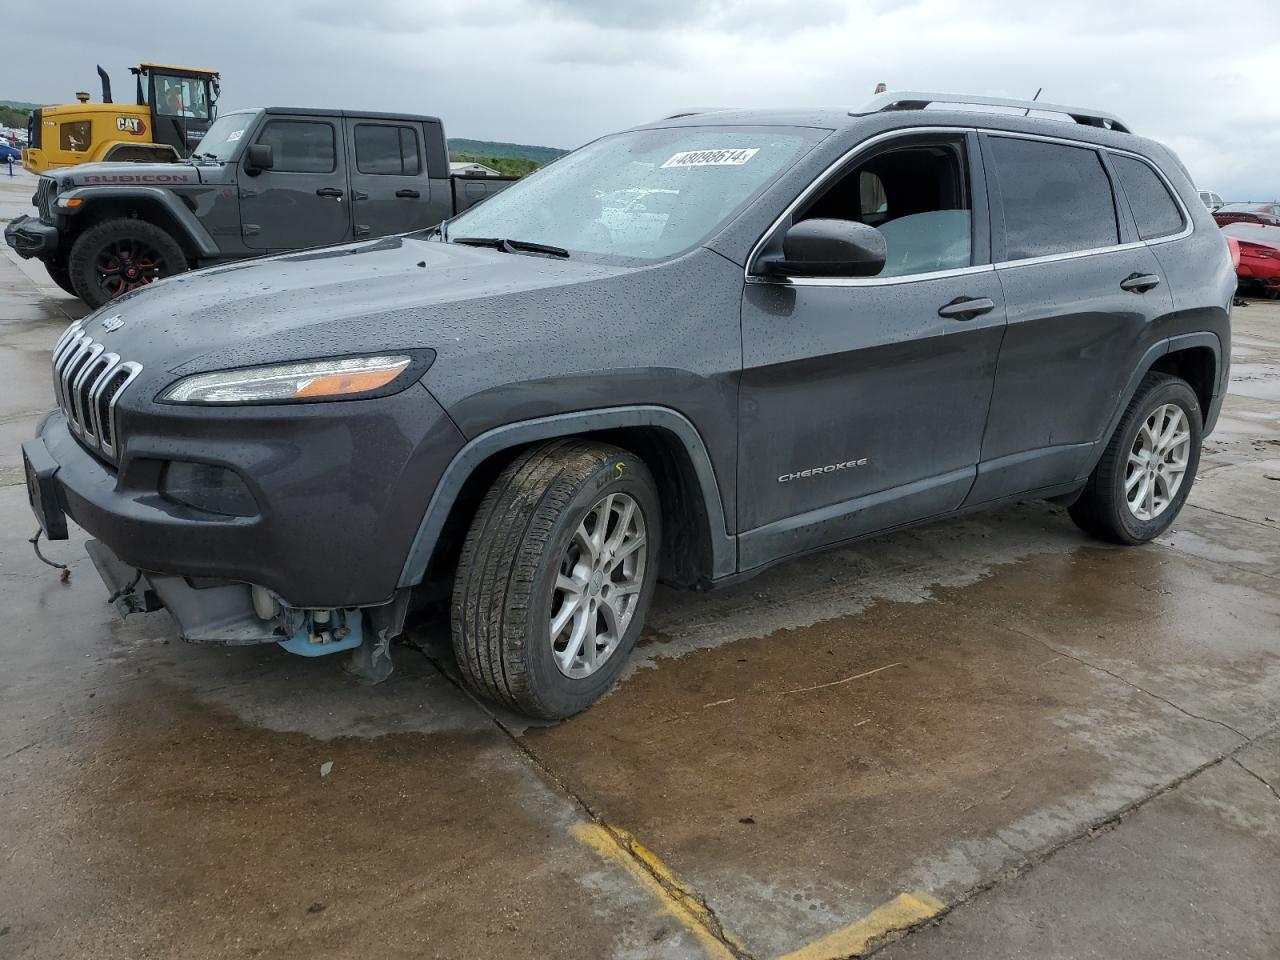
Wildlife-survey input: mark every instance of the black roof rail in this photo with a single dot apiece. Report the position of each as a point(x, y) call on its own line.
point(915, 100)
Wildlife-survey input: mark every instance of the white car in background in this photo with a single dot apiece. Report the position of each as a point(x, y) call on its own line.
point(1210, 199)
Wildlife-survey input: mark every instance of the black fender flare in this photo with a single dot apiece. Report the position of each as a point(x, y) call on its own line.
point(1143, 367)
point(196, 235)
point(724, 554)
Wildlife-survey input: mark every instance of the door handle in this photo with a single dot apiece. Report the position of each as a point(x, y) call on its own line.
point(966, 308)
point(329, 192)
point(408, 194)
point(359, 195)
point(1139, 282)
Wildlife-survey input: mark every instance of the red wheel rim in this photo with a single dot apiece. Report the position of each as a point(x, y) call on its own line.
point(125, 265)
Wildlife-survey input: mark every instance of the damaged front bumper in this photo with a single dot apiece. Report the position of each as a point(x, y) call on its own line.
point(300, 573)
point(29, 237)
point(226, 612)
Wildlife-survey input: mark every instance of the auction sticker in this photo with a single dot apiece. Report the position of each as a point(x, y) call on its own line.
point(713, 158)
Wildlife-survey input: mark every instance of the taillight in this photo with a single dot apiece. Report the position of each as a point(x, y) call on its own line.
point(1255, 251)
point(1234, 246)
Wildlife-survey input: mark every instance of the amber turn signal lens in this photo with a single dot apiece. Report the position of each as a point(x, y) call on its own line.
point(338, 384)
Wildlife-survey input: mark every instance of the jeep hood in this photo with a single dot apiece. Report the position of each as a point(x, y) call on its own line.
point(394, 293)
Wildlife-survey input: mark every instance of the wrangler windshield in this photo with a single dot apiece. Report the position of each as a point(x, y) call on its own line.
point(223, 137)
point(644, 195)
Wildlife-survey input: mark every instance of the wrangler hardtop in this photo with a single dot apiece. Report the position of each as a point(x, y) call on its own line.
point(260, 181)
point(683, 352)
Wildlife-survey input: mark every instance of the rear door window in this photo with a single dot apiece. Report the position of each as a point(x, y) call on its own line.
point(1156, 212)
point(387, 150)
point(1056, 198)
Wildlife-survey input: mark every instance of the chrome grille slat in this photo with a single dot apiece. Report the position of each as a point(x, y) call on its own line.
point(88, 382)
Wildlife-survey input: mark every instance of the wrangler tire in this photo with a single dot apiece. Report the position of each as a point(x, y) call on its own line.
point(138, 252)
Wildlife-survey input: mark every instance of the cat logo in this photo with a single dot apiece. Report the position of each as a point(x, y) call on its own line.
point(131, 125)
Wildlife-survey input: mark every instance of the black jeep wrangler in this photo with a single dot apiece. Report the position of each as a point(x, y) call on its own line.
point(683, 353)
point(260, 181)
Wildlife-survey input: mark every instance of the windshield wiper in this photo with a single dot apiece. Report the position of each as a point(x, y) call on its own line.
point(512, 246)
point(211, 156)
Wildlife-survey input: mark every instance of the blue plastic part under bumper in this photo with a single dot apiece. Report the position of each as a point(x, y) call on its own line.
point(300, 643)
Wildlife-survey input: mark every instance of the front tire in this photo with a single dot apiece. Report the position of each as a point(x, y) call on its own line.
point(59, 274)
point(1146, 472)
point(115, 256)
point(556, 576)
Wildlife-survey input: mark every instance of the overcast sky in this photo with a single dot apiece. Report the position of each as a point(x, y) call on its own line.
point(1199, 75)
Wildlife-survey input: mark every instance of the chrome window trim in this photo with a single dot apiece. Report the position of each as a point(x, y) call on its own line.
point(852, 153)
point(874, 281)
point(1188, 227)
point(817, 183)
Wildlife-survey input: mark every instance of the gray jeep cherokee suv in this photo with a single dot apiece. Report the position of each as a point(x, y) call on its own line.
point(682, 353)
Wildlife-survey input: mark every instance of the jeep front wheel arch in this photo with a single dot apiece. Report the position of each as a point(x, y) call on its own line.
point(115, 256)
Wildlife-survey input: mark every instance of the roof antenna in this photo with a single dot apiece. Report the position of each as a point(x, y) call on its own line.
point(1039, 90)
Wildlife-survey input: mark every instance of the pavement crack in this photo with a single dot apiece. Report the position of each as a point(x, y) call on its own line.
point(688, 900)
point(1232, 516)
point(1129, 683)
point(1257, 776)
point(1090, 830)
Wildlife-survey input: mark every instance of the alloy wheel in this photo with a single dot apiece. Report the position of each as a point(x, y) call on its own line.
point(1157, 463)
point(124, 265)
point(598, 585)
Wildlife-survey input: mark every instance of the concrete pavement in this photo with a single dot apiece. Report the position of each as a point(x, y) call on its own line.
point(988, 737)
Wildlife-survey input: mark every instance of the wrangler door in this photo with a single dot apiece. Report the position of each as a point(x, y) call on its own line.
point(390, 190)
point(863, 401)
point(302, 201)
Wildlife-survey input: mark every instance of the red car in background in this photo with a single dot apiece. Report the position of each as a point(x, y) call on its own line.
point(1268, 213)
point(1255, 248)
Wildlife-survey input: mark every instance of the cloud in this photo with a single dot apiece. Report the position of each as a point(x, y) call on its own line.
point(561, 72)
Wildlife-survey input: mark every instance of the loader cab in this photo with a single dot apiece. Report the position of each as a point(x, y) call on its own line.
point(183, 103)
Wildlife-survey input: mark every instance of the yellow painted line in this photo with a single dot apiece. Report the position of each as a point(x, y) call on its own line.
point(904, 910)
point(675, 897)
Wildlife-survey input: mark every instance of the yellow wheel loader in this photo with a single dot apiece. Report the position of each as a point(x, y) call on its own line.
point(174, 108)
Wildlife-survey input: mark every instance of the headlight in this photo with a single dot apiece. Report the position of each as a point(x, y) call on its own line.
point(313, 380)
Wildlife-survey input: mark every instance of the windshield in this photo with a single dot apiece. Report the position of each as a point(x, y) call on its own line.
point(647, 194)
point(181, 97)
point(223, 137)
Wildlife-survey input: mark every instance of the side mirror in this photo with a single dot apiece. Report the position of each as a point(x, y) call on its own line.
point(829, 248)
point(258, 158)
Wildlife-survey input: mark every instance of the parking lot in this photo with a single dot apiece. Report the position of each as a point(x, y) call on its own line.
point(988, 737)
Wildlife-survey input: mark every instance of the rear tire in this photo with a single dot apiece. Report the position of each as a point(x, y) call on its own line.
point(1147, 470)
point(569, 534)
point(115, 256)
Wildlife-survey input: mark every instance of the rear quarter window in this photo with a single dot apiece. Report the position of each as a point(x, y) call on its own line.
point(1154, 209)
point(1056, 198)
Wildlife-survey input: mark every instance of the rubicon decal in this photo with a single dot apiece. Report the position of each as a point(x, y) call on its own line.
point(132, 125)
point(137, 178)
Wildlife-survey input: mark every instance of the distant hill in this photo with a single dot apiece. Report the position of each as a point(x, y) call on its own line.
point(19, 105)
point(503, 151)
